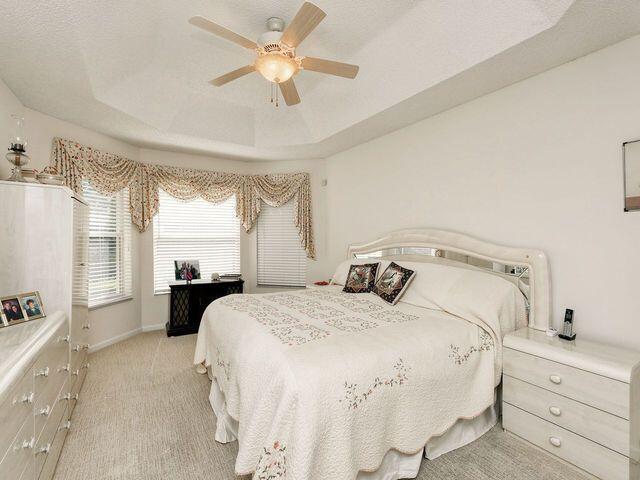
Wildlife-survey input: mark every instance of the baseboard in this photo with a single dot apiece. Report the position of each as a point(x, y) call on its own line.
point(153, 328)
point(110, 341)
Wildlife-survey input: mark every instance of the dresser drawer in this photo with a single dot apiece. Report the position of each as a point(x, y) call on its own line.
point(15, 410)
point(579, 451)
point(44, 444)
point(601, 392)
point(19, 454)
point(601, 427)
point(49, 467)
point(44, 406)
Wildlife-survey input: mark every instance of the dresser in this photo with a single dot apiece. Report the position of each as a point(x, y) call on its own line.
point(579, 401)
point(189, 301)
point(44, 242)
point(35, 396)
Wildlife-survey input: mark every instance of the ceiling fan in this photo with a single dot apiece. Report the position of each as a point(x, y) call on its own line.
point(275, 50)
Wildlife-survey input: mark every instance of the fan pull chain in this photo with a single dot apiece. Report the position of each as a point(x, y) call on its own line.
point(277, 94)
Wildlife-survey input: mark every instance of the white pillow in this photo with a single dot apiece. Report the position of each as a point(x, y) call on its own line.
point(342, 272)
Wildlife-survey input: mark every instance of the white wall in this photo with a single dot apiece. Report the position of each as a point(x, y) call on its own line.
point(108, 322)
point(536, 164)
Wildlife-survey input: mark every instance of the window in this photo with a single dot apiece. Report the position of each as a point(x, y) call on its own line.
point(110, 274)
point(281, 259)
point(195, 230)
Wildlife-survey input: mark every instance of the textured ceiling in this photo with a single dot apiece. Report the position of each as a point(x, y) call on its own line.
point(139, 72)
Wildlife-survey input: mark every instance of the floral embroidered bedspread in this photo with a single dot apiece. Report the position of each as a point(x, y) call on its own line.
point(324, 383)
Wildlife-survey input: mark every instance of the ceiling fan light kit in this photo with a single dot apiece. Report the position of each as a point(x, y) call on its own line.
point(276, 58)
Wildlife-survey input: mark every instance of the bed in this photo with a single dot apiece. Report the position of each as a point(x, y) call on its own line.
point(322, 384)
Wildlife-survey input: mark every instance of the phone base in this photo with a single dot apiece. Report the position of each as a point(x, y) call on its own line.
point(567, 337)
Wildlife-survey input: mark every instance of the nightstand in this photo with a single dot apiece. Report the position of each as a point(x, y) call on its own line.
point(578, 400)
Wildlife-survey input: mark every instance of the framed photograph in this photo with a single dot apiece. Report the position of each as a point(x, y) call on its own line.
point(31, 305)
point(187, 269)
point(12, 310)
point(631, 160)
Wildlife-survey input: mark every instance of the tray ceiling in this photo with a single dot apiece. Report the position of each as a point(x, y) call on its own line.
point(139, 72)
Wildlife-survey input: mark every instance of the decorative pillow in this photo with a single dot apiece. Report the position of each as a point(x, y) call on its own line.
point(393, 282)
point(361, 278)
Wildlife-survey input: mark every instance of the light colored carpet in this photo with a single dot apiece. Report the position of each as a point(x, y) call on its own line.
point(144, 414)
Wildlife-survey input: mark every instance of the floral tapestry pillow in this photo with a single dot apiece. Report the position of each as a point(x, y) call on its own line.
point(361, 278)
point(393, 282)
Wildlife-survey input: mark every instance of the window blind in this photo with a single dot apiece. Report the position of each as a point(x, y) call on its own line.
point(110, 273)
point(195, 230)
point(281, 259)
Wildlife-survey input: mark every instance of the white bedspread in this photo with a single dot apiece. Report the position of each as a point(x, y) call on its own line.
point(324, 384)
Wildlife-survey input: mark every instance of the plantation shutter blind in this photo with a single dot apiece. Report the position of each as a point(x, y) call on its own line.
point(194, 230)
point(281, 259)
point(110, 271)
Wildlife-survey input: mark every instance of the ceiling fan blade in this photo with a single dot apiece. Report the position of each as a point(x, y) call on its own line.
point(221, 31)
point(329, 66)
point(228, 77)
point(289, 92)
point(307, 18)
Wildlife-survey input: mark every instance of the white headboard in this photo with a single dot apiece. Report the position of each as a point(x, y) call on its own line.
point(537, 289)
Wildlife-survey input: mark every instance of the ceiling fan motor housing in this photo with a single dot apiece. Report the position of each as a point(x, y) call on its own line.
point(270, 41)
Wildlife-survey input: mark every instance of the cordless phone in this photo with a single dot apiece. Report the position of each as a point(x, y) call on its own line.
point(567, 328)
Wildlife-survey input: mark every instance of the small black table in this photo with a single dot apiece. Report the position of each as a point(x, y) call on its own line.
point(189, 300)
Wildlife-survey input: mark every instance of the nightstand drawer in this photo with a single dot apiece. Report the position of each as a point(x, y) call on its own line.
point(573, 448)
point(599, 426)
point(601, 392)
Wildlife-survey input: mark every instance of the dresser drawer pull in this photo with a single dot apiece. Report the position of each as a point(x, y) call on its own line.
point(76, 372)
point(555, 379)
point(26, 398)
point(555, 411)
point(64, 368)
point(555, 441)
point(79, 347)
point(66, 338)
point(43, 373)
point(44, 411)
point(26, 444)
point(86, 326)
point(65, 426)
point(44, 449)
point(86, 365)
point(70, 396)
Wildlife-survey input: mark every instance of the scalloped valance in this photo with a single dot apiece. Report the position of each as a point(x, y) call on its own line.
point(109, 173)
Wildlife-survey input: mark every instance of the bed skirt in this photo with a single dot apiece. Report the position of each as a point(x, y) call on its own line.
point(395, 465)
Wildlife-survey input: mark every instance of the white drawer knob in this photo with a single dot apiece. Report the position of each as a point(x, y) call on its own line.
point(44, 411)
point(26, 398)
point(65, 426)
point(44, 449)
point(26, 444)
point(70, 396)
point(555, 379)
point(66, 338)
point(76, 372)
point(43, 373)
point(555, 441)
point(64, 368)
point(86, 326)
point(555, 411)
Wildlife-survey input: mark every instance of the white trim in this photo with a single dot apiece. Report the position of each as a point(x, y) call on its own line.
point(111, 301)
point(153, 328)
point(110, 341)
point(535, 260)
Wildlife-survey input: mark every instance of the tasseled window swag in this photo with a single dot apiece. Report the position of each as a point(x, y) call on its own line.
point(109, 173)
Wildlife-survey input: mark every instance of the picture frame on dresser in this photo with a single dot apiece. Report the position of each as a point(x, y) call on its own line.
point(12, 310)
point(32, 305)
point(20, 308)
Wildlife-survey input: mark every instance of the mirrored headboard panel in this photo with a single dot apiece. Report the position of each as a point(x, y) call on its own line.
point(526, 268)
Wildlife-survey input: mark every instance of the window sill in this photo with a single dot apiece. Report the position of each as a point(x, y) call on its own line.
point(111, 301)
